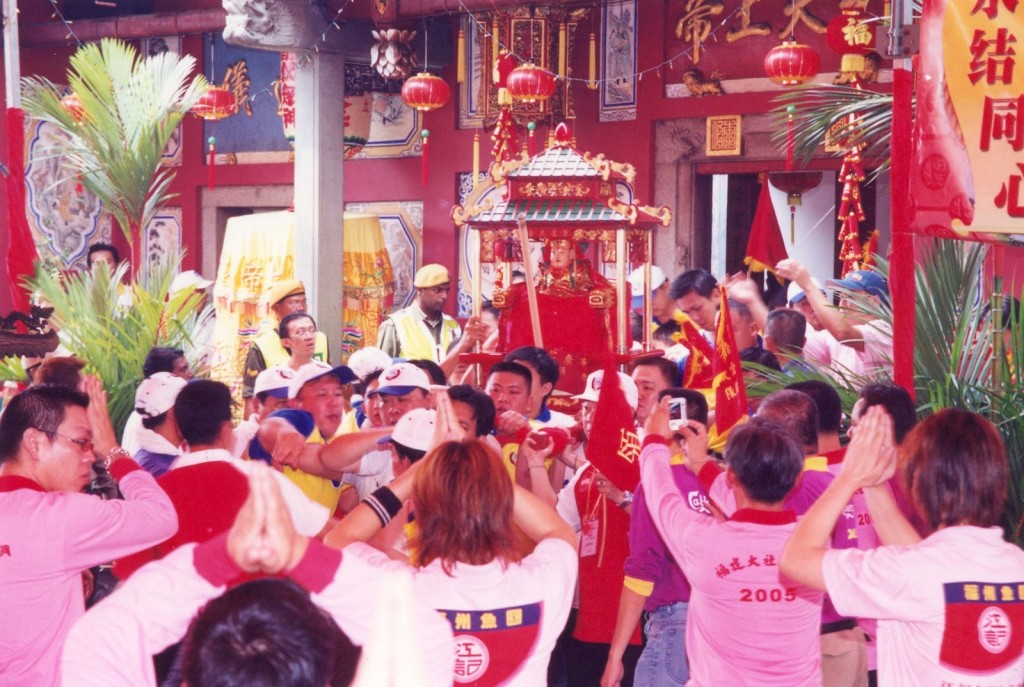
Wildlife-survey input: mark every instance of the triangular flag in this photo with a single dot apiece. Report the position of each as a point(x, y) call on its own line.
point(613, 446)
point(730, 391)
point(698, 373)
point(765, 247)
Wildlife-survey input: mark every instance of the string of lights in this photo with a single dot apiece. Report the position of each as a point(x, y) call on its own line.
point(639, 75)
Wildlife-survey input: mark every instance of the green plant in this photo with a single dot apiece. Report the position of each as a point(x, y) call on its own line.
point(113, 327)
point(129, 109)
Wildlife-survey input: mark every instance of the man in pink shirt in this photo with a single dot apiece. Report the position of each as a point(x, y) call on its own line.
point(50, 532)
point(747, 625)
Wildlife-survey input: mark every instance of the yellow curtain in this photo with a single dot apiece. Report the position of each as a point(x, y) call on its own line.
point(369, 285)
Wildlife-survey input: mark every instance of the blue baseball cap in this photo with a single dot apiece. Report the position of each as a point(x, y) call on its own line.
point(863, 280)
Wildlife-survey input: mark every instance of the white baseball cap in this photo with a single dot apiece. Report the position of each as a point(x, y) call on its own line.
point(367, 360)
point(156, 393)
point(315, 370)
point(274, 380)
point(414, 430)
point(400, 379)
point(636, 283)
point(593, 390)
point(189, 280)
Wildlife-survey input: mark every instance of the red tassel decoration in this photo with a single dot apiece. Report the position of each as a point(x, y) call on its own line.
point(212, 140)
point(790, 138)
point(425, 175)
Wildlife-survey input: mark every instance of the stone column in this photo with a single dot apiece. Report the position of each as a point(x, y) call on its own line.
point(319, 198)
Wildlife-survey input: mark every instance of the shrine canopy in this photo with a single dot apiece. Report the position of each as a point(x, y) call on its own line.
point(562, 193)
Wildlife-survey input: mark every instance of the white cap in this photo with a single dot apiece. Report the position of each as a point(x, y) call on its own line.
point(794, 294)
point(156, 393)
point(636, 284)
point(400, 379)
point(274, 380)
point(593, 390)
point(189, 280)
point(368, 359)
point(315, 370)
point(415, 429)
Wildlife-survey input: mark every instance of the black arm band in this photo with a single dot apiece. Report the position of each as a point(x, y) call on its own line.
point(384, 504)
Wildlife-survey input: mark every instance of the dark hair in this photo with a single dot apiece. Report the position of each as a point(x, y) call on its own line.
point(637, 326)
point(434, 372)
point(157, 420)
point(59, 371)
point(540, 359)
point(665, 330)
point(760, 356)
point(668, 369)
point(100, 248)
point(267, 633)
point(701, 282)
point(696, 402)
point(160, 359)
point(739, 308)
point(896, 401)
point(481, 403)
point(765, 458)
point(514, 368)
point(488, 307)
point(408, 453)
point(360, 387)
point(201, 409)
point(39, 407)
point(827, 401)
point(954, 467)
point(795, 411)
point(787, 330)
point(464, 500)
point(286, 321)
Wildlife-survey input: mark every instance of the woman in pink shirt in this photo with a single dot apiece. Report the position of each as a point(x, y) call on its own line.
point(950, 606)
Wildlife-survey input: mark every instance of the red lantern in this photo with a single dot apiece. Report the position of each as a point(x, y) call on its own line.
point(425, 92)
point(791, 63)
point(531, 84)
point(217, 103)
point(849, 33)
point(73, 105)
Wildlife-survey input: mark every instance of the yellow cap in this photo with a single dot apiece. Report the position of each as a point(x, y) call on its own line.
point(282, 289)
point(431, 275)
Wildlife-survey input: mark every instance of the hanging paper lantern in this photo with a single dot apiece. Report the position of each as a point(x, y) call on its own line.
point(791, 63)
point(425, 92)
point(73, 105)
point(217, 103)
point(851, 35)
point(531, 84)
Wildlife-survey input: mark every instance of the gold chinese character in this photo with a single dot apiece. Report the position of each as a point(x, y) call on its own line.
point(463, 621)
point(513, 617)
point(488, 621)
point(971, 592)
point(1006, 593)
point(988, 592)
point(629, 445)
point(694, 27)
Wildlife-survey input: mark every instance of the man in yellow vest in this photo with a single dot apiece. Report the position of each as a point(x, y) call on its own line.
point(422, 330)
point(285, 297)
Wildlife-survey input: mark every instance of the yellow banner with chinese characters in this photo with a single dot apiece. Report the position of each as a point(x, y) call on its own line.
point(984, 81)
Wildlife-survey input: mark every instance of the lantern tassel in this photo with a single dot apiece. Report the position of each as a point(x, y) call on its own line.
point(213, 152)
point(531, 143)
point(424, 172)
point(476, 159)
point(790, 138)
point(561, 51)
point(461, 69)
point(592, 67)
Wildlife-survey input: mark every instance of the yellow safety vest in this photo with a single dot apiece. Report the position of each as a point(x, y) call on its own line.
point(417, 341)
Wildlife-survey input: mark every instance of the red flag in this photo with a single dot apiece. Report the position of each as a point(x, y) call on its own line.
point(765, 247)
point(730, 391)
point(613, 445)
point(21, 250)
point(699, 373)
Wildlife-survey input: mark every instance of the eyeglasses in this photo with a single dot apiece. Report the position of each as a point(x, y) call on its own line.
point(303, 331)
point(85, 445)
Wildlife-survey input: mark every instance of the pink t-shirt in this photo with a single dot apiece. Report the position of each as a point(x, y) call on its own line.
point(950, 609)
point(747, 625)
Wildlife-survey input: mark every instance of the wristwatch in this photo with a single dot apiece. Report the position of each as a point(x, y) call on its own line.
point(627, 500)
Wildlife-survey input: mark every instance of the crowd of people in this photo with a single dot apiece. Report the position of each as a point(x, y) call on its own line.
point(407, 519)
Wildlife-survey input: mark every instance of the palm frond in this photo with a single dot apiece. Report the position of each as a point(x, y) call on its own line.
point(130, 108)
point(865, 118)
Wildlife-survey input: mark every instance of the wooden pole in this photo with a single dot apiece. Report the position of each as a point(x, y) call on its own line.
point(531, 287)
point(12, 56)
